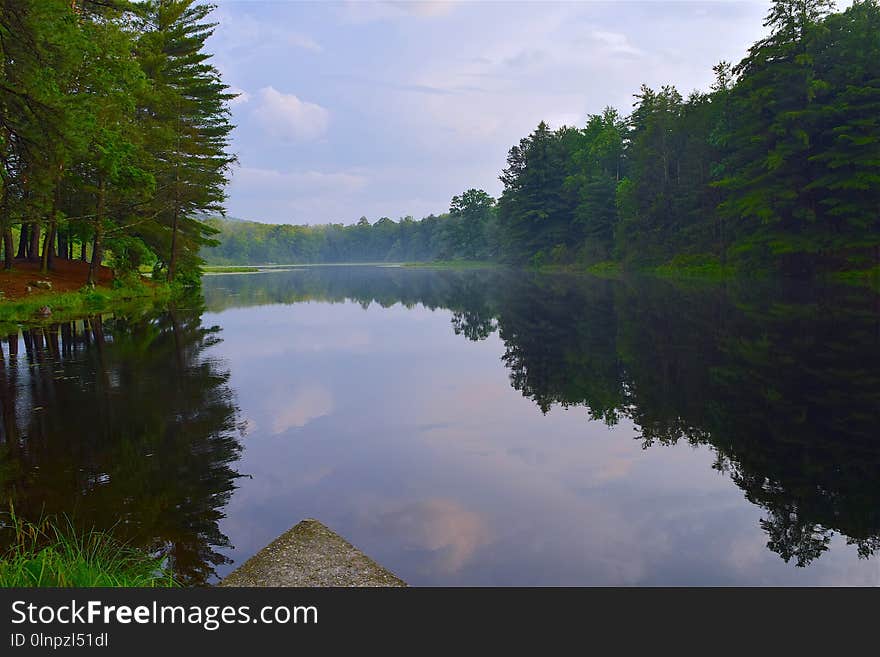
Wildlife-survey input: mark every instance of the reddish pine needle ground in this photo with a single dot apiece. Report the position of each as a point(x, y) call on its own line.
point(66, 276)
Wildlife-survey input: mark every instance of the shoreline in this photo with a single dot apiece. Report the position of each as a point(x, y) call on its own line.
point(66, 306)
point(119, 295)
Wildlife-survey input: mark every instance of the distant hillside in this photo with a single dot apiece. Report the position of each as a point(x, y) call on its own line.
point(443, 237)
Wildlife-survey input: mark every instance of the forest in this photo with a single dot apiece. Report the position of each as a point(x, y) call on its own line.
point(114, 134)
point(468, 232)
point(776, 167)
point(115, 149)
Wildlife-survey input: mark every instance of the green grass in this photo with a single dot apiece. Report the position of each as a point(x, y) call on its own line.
point(56, 554)
point(606, 269)
point(71, 305)
point(452, 264)
point(699, 266)
point(230, 270)
point(863, 277)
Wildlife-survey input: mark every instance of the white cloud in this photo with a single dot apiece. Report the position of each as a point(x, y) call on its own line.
point(242, 97)
point(303, 41)
point(440, 120)
point(615, 42)
point(288, 117)
point(296, 408)
point(426, 8)
point(360, 11)
point(443, 527)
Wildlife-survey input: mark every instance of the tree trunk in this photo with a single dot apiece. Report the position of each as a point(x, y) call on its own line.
point(7, 230)
point(82, 252)
point(34, 248)
point(63, 250)
point(97, 253)
point(172, 261)
point(7, 249)
point(48, 248)
point(49, 241)
point(98, 247)
point(22, 242)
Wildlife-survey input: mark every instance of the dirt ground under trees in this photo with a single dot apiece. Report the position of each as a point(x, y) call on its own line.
point(66, 276)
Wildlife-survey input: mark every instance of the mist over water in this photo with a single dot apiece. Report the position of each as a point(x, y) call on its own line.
point(468, 427)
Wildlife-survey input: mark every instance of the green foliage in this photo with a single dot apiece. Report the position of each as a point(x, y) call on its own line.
point(231, 270)
point(775, 168)
point(864, 277)
point(467, 232)
point(702, 265)
point(471, 219)
point(57, 554)
point(114, 132)
point(155, 465)
point(188, 130)
point(127, 293)
point(800, 175)
point(606, 269)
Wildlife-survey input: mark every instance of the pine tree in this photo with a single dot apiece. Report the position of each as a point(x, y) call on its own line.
point(770, 167)
point(189, 126)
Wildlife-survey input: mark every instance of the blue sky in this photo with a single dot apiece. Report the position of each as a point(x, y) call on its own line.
point(391, 108)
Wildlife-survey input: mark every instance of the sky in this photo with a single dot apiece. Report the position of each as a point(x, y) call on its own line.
point(375, 109)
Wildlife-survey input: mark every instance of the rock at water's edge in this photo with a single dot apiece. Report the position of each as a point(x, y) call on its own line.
point(310, 554)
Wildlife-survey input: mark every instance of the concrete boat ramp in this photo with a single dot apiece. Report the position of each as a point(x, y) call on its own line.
point(310, 554)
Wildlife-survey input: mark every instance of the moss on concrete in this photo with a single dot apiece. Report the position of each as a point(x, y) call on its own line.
point(310, 554)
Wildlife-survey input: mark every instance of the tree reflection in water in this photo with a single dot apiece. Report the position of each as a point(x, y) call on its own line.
point(781, 380)
point(123, 424)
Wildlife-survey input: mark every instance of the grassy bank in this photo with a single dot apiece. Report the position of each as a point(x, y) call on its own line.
point(700, 267)
point(604, 269)
point(697, 268)
point(453, 264)
point(219, 269)
point(863, 277)
point(56, 554)
point(64, 306)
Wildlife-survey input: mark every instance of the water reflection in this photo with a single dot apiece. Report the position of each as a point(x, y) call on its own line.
point(782, 381)
point(468, 427)
point(123, 423)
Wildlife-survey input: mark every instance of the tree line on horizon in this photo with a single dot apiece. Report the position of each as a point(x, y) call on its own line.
point(777, 166)
point(468, 232)
point(114, 134)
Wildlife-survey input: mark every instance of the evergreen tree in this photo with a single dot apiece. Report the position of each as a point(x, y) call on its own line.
point(770, 166)
point(188, 121)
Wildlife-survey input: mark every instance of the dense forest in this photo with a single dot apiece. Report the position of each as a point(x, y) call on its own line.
point(114, 133)
point(777, 166)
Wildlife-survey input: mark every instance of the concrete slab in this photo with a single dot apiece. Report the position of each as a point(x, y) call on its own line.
point(310, 554)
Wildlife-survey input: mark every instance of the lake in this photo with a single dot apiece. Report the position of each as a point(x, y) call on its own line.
point(477, 427)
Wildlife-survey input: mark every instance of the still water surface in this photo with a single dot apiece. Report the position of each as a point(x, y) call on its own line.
point(468, 428)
